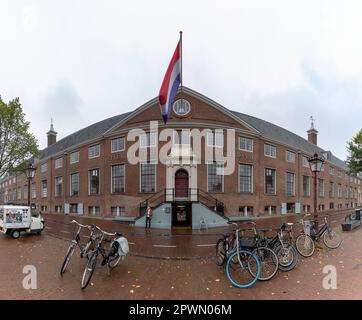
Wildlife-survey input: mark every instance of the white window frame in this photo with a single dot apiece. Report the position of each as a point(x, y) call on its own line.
point(252, 178)
point(271, 147)
point(70, 184)
point(246, 138)
point(71, 157)
point(214, 134)
point(124, 178)
point(275, 182)
point(290, 153)
point(286, 184)
point(99, 182)
point(152, 142)
point(118, 150)
point(55, 186)
point(42, 166)
point(94, 146)
point(183, 132)
point(207, 176)
point(140, 176)
point(309, 179)
point(58, 163)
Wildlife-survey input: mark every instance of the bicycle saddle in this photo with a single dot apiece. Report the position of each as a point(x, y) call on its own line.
point(117, 233)
point(226, 234)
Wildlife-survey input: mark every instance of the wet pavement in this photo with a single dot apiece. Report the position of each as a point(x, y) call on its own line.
point(138, 277)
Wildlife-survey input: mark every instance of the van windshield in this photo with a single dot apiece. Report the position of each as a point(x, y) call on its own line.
point(34, 213)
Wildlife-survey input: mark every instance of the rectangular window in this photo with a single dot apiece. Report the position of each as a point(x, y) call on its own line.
point(331, 205)
point(339, 190)
point(33, 190)
point(290, 156)
point(215, 139)
point(117, 178)
point(25, 192)
point(290, 207)
point(117, 144)
point(305, 162)
point(93, 181)
point(306, 186)
point(118, 211)
point(94, 211)
point(19, 193)
point(270, 210)
point(148, 139)
point(246, 144)
point(306, 208)
point(58, 209)
point(215, 177)
point(245, 178)
point(331, 170)
point(44, 189)
point(58, 186)
point(74, 184)
point(74, 157)
point(58, 163)
point(331, 189)
point(246, 211)
point(94, 151)
point(290, 183)
point(181, 137)
point(321, 187)
point(44, 167)
point(148, 177)
point(270, 181)
point(270, 151)
point(73, 208)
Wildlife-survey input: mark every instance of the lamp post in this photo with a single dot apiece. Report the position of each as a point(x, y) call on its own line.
point(30, 173)
point(316, 165)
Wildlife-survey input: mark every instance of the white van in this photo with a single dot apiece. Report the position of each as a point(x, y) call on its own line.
point(17, 219)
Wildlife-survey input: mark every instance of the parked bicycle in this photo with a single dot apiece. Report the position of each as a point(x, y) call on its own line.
point(118, 249)
point(242, 266)
point(283, 248)
point(305, 242)
point(84, 249)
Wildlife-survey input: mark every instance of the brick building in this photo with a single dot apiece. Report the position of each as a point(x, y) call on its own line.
point(90, 173)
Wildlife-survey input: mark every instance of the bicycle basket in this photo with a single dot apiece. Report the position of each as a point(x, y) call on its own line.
point(123, 248)
point(247, 242)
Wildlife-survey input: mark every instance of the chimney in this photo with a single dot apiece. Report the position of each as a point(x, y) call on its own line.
point(312, 132)
point(52, 135)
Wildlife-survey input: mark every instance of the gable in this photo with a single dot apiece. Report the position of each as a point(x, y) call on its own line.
point(203, 112)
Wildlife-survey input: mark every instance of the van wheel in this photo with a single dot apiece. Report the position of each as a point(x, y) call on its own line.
point(15, 234)
point(38, 233)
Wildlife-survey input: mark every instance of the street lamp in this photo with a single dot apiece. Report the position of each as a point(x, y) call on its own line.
point(316, 165)
point(30, 173)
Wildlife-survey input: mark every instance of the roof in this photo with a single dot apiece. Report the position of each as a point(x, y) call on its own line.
point(274, 132)
point(91, 132)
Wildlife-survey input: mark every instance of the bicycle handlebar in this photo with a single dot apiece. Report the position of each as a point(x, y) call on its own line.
point(80, 225)
point(108, 233)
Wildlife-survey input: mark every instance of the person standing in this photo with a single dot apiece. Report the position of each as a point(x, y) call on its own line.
point(149, 214)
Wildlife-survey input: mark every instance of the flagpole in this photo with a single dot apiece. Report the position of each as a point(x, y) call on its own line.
point(181, 58)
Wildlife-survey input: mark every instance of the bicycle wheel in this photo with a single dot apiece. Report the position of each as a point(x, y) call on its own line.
point(287, 256)
point(89, 269)
point(113, 261)
point(239, 273)
point(268, 263)
point(67, 258)
point(332, 239)
point(305, 245)
point(220, 252)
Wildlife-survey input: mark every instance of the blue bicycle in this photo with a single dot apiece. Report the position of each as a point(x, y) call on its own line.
point(242, 265)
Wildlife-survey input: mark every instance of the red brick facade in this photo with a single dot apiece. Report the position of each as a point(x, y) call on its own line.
point(204, 114)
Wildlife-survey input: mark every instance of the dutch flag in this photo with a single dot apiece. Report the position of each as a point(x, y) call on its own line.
point(170, 83)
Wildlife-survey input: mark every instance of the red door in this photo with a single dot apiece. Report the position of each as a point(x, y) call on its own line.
point(181, 184)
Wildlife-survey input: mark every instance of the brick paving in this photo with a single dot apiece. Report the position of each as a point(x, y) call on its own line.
point(144, 278)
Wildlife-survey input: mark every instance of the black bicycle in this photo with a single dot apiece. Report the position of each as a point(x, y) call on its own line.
point(84, 249)
point(111, 257)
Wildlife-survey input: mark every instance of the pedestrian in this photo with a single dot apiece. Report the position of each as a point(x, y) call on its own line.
point(149, 214)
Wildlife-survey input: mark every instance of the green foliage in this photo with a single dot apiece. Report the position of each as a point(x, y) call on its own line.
point(355, 153)
point(17, 144)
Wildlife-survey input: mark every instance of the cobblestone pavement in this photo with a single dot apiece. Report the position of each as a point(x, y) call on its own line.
point(157, 243)
point(144, 278)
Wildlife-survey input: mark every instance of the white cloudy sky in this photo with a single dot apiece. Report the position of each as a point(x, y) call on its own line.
point(82, 61)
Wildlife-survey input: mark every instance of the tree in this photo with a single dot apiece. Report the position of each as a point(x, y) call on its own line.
point(17, 144)
point(354, 159)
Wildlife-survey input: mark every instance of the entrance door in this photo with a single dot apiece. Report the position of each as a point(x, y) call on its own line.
point(181, 214)
point(181, 184)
